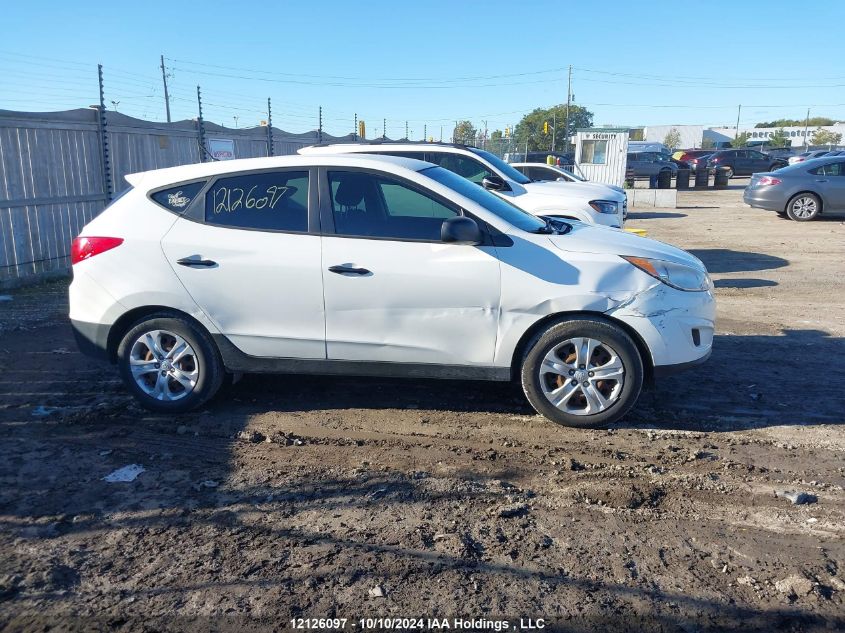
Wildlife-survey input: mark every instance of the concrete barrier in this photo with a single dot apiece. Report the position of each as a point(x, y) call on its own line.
point(662, 198)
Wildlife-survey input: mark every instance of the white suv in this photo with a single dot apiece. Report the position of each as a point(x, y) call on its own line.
point(588, 202)
point(376, 266)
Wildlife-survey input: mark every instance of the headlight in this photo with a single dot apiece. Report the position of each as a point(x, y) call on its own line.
point(675, 275)
point(604, 206)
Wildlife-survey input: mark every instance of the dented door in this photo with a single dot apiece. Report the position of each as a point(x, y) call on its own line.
point(417, 302)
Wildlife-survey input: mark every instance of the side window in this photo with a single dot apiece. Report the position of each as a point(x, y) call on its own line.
point(177, 199)
point(469, 168)
point(268, 201)
point(594, 152)
point(833, 169)
point(368, 205)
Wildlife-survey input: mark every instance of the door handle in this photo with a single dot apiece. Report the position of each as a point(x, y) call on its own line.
point(349, 270)
point(202, 263)
point(821, 179)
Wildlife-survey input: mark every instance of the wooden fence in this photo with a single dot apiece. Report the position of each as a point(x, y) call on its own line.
point(53, 181)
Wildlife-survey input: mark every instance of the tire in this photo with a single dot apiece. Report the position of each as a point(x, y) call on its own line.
point(803, 207)
point(615, 349)
point(176, 364)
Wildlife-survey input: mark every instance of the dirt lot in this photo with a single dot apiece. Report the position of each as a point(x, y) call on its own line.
point(307, 497)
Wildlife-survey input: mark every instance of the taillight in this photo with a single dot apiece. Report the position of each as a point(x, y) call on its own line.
point(769, 180)
point(86, 247)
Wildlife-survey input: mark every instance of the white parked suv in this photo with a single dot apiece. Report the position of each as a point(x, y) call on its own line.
point(553, 199)
point(540, 172)
point(376, 266)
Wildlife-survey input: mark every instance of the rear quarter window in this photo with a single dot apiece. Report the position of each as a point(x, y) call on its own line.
point(177, 199)
point(266, 201)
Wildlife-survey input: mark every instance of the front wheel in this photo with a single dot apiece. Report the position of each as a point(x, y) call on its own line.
point(169, 364)
point(582, 372)
point(730, 172)
point(803, 207)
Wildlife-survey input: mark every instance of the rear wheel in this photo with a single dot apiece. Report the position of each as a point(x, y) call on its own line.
point(169, 364)
point(582, 372)
point(803, 207)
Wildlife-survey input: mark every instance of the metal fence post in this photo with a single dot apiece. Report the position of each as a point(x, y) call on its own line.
point(200, 127)
point(104, 139)
point(269, 129)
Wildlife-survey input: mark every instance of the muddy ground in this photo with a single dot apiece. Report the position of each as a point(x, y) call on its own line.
point(294, 496)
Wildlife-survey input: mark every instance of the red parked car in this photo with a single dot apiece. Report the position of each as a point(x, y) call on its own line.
point(693, 156)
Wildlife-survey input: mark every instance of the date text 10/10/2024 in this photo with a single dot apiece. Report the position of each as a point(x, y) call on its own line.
point(419, 624)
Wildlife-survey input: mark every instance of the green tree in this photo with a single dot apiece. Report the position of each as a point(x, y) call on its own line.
point(826, 137)
point(741, 140)
point(636, 135)
point(815, 122)
point(496, 135)
point(530, 129)
point(465, 132)
point(779, 139)
point(708, 143)
point(672, 140)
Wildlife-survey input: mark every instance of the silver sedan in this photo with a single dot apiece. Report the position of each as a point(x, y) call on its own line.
point(801, 191)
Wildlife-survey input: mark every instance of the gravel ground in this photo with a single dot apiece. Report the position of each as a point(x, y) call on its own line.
point(294, 496)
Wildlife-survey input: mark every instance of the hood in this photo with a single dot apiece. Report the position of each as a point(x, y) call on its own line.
point(588, 238)
point(590, 190)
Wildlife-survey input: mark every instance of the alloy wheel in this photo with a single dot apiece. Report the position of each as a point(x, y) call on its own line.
point(164, 365)
point(582, 376)
point(804, 207)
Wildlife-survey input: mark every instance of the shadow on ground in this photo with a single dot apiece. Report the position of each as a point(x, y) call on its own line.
point(724, 260)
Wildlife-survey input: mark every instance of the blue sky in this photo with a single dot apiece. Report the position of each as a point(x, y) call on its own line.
point(429, 62)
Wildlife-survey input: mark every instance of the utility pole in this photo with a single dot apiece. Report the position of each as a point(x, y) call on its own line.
point(441, 133)
point(355, 129)
point(269, 129)
point(738, 112)
point(485, 134)
point(806, 131)
point(166, 94)
point(425, 131)
point(384, 129)
point(320, 125)
point(406, 131)
point(568, 101)
point(554, 128)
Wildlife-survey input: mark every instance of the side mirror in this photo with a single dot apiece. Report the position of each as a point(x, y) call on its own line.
point(461, 230)
point(494, 183)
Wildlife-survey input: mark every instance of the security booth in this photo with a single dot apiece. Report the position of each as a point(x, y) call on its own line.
point(601, 154)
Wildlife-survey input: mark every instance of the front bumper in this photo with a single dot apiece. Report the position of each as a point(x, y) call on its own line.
point(676, 326)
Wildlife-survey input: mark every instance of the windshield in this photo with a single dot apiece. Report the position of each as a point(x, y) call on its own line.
point(493, 203)
point(575, 177)
point(508, 171)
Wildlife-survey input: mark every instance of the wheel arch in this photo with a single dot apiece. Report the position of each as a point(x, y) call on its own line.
point(547, 321)
point(122, 325)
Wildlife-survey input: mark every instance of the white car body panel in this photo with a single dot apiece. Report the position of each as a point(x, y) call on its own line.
point(435, 303)
point(273, 299)
point(426, 302)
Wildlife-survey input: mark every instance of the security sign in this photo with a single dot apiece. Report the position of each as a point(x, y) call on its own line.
point(221, 148)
